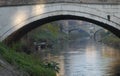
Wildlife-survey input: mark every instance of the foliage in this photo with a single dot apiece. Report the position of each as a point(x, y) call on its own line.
point(24, 62)
point(46, 32)
point(49, 33)
point(52, 65)
point(111, 38)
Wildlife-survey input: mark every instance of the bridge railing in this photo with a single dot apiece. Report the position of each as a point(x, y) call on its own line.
point(29, 2)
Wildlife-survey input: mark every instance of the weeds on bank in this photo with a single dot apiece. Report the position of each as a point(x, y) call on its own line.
point(25, 62)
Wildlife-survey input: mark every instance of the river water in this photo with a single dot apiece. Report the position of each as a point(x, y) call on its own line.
point(87, 58)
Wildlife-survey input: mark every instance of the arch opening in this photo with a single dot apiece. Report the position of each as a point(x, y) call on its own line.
point(15, 36)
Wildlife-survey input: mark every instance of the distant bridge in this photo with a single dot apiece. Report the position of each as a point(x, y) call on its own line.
point(15, 21)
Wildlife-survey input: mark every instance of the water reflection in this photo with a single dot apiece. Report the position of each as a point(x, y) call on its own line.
point(87, 58)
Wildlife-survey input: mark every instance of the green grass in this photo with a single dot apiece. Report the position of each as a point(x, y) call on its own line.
point(24, 62)
point(111, 39)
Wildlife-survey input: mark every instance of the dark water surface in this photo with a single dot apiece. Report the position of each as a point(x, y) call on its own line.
point(87, 58)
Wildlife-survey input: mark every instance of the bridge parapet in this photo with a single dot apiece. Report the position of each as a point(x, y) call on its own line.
point(29, 2)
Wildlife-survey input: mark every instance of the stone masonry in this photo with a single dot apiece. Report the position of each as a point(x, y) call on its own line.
point(28, 2)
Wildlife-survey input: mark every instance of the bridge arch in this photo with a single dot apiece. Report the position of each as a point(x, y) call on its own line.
point(14, 32)
point(25, 29)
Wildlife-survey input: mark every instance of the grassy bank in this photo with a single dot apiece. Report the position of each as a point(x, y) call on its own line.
point(27, 63)
point(112, 40)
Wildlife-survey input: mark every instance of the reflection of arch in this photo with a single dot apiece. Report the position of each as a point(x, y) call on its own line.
point(95, 34)
point(75, 29)
point(20, 32)
point(79, 30)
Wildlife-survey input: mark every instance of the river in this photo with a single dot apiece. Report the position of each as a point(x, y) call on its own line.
point(87, 58)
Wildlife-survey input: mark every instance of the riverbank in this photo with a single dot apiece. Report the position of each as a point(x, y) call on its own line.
point(112, 40)
point(21, 64)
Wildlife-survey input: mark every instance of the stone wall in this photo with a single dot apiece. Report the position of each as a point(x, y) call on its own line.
point(27, 2)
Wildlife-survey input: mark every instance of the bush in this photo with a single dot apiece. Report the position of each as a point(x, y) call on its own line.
point(24, 62)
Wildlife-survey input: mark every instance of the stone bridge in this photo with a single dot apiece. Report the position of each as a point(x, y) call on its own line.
point(19, 17)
